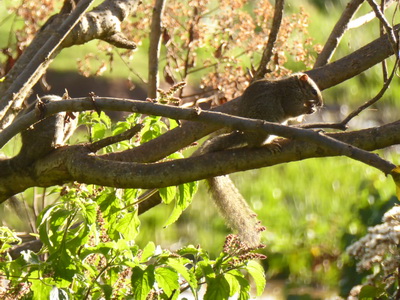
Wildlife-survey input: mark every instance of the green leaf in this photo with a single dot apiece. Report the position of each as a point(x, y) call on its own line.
point(191, 250)
point(77, 236)
point(107, 290)
point(7, 236)
point(244, 293)
point(218, 288)
point(185, 196)
point(148, 252)
point(49, 222)
point(173, 123)
point(134, 118)
point(89, 212)
point(121, 127)
point(175, 214)
point(167, 194)
point(64, 265)
point(187, 190)
point(107, 202)
point(128, 225)
point(257, 272)
point(207, 271)
point(105, 119)
point(130, 195)
point(168, 280)
point(234, 286)
point(178, 264)
point(368, 292)
point(142, 281)
point(41, 288)
point(30, 257)
point(98, 131)
point(152, 128)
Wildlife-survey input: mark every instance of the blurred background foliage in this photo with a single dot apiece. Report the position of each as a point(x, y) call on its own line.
point(312, 209)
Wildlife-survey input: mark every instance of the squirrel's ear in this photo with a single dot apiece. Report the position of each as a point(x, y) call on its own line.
point(304, 77)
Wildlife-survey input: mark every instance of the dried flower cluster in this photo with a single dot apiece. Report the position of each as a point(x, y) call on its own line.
point(27, 18)
point(220, 43)
point(223, 41)
point(240, 251)
point(34, 14)
point(378, 250)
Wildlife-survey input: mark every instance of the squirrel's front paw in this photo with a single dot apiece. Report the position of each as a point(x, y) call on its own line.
point(275, 145)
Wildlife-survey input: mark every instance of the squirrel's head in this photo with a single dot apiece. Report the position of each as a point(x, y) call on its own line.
point(311, 95)
point(301, 95)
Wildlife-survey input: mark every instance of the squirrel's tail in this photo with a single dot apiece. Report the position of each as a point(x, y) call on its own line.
point(235, 211)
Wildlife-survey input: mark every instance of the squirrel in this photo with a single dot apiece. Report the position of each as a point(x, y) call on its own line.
point(273, 101)
point(45, 135)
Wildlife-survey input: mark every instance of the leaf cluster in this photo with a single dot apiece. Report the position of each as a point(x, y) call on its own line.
point(89, 253)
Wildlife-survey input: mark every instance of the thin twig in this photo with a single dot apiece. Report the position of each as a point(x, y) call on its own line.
point(392, 37)
point(382, 32)
point(273, 35)
point(154, 48)
point(130, 68)
point(337, 33)
point(216, 63)
point(367, 17)
point(343, 124)
point(191, 36)
point(373, 100)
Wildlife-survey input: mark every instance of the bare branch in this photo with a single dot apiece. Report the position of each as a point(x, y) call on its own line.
point(337, 33)
point(76, 163)
point(103, 22)
point(354, 63)
point(16, 91)
point(382, 32)
point(367, 104)
point(368, 17)
point(390, 33)
point(276, 24)
point(154, 48)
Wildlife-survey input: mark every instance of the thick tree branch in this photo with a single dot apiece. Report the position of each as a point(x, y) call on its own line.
point(78, 164)
point(354, 63)
point(72, 163)
point(219, 119)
